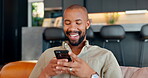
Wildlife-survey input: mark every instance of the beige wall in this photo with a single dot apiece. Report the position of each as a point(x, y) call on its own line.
point(99, 18)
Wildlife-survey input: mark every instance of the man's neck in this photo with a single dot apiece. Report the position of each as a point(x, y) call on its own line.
point(77, 49)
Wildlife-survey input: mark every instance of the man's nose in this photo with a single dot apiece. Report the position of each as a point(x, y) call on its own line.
point(73, 27)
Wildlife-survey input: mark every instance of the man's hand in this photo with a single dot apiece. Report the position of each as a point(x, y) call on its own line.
point(77, 67)
point(52, 68)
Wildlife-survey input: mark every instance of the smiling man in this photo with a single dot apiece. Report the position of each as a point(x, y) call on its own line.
point(87, 61)
point(75, 25)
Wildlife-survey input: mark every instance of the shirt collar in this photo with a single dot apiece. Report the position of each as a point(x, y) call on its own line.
point(66, 46)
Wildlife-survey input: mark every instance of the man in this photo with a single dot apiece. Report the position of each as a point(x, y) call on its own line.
point(87, 61)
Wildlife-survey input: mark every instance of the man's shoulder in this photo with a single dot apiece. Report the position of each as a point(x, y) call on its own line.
point(100, 50)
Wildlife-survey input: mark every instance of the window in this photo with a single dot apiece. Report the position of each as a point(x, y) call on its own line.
point(37, 13)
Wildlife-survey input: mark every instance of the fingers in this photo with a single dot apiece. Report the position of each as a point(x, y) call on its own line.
point(67, 69)
point(56, 70)
point(62, 60)
point(52, 68)
point(58, 67)
point(66, 64)
point(59, 72)
point(63, 66)
point(74, 57)
point(63, 69)
point(53, 65)
point(74, 63)
point(71, 70)
point(53, 60)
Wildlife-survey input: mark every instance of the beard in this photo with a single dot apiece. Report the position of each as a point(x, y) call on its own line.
point(73, 43)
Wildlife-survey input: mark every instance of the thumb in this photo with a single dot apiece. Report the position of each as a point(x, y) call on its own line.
point(74, 56)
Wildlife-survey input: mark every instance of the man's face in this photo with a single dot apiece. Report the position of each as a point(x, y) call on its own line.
point(75, 25)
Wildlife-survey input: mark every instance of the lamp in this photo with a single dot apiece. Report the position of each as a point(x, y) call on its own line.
point(136, 12)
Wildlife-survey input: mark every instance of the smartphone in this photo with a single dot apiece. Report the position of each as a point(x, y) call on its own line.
point(62, 54)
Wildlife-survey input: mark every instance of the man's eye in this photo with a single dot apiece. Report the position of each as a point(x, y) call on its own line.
point(67, 22)
point(78, 23)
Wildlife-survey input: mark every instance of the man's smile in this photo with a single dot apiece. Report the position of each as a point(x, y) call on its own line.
point(73, 36)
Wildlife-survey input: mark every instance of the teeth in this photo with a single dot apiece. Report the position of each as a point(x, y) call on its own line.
point(74, 35)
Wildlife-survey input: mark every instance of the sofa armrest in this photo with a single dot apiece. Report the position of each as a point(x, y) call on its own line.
point(18, 69)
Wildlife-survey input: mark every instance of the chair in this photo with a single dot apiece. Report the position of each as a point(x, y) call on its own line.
point(52, 36)
point(90, 35)
point(143, 46)
point(112, 35)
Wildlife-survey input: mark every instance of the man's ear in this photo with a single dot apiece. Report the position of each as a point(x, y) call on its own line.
point(88, 23)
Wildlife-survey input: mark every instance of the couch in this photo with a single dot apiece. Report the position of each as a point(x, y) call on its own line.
point(22, 69)
point(18, 69)
point(134, 72)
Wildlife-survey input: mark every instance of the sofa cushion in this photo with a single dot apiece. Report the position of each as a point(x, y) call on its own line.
point(22, 69)
point(141, 73)
point(128, 71)
point(18, 69)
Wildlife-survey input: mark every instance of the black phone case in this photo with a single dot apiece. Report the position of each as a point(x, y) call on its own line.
point(62, 54)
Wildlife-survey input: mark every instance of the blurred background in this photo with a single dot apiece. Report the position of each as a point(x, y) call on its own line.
point(23, 21)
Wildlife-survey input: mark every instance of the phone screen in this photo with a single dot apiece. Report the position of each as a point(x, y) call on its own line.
point(62, 54)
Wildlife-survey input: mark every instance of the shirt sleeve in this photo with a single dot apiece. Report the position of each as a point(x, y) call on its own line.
point(112, 68)
point(38, 67)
